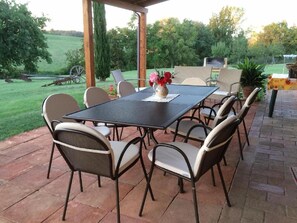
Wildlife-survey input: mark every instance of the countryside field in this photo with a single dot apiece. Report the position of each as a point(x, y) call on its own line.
point(58, 46)
point(20, 102)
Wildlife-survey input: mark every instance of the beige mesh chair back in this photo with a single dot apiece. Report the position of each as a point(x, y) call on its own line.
point(193, 128)
point(94, 96)
point(125, 88)
point(183, 72)
point(242, 114)
point(228, 82)
point(54, 107)
point(117, 76)
point(193, 81)
point(86, 150)
point(189, 162)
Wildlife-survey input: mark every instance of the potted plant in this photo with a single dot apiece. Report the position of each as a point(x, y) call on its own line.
point(252, 76)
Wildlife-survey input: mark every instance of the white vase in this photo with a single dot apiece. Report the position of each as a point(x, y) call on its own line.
point(161, 91)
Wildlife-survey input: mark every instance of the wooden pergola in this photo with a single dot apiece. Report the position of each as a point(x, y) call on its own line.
point(137, 6)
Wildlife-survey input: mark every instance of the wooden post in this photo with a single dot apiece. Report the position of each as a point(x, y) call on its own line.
point(88, 43)
point(142, 49)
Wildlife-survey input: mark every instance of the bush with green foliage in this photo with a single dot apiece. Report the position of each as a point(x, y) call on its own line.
point(252, 73)
point(75, 57)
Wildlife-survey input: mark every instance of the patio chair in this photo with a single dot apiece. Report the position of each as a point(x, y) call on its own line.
point(210, 113)
point(228, 82)
point(194, 128)
point(54, 107)
point(189, 162)
point(86, 150)
point(118, 77)
point(194, 81)
point(125, 88)
point(94, 96)
point(183, 72)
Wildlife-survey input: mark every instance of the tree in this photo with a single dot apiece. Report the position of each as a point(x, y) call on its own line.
point(102, 50)
point(117, 54)
point(22, 40)
point(204, 41)
point(279, 34)
point(220, 50)
point(171, 43)
point(239, 49)
point(226, 24)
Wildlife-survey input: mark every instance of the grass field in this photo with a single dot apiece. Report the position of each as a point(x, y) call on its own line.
point(20, 102)
point(58, 46)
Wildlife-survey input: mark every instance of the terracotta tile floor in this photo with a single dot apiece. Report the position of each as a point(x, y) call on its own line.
point(261, 186)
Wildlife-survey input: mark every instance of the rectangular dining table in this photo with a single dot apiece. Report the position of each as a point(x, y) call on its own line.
point(142, 109)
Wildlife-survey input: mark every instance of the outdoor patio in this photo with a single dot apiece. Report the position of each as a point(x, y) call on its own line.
point(261, 187)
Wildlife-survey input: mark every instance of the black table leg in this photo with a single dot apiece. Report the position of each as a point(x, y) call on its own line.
point(272, 102)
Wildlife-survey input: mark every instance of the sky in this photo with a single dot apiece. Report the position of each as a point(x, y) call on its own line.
point(67, 14)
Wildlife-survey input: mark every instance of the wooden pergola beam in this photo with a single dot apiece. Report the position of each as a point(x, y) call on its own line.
point(124, 5)
point(88, 43)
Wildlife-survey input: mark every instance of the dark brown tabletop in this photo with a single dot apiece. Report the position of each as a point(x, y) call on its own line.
point(131, 110)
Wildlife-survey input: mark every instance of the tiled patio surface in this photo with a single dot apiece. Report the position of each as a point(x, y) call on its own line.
point(261, 187)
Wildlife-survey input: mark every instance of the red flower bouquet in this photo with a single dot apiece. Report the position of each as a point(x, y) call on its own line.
point(160, 78)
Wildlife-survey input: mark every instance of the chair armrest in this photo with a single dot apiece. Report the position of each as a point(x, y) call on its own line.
point(206, 128)
point(188, 117)
point(133, 141)
point(231, 86)
point(211, 82)
point(177, 150)
point(54, 123)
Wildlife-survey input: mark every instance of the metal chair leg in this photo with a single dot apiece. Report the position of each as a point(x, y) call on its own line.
point(181, 185)
point(80, 181)
point(224, 186)
point(118, 200)
point(146, 178)
point(246, 133)
point(50, 161)
point(240, 144)
point(195, 202)
point(213, 177)
point(99, 180)
point(146, 190)
point(67, 196)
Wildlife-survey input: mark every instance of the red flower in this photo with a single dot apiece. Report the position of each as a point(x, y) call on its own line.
point(160, 78)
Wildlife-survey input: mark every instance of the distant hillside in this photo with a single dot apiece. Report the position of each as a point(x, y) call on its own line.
point(58, 46)
point(65, 33)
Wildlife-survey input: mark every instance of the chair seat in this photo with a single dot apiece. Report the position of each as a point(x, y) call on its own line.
point(103, 130)
point(197, 133)
point(140, 89)
point(131, 154)
point(173, 161)
point(209, 113)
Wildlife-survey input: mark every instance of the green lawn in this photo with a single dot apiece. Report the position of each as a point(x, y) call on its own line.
point(20, 102)
point(58, 46)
